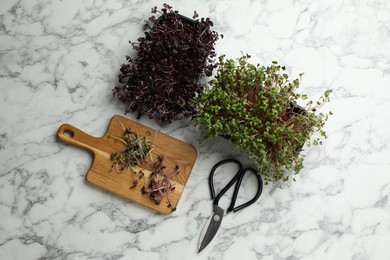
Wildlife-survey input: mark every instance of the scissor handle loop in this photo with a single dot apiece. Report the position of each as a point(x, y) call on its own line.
point(211, 179)
point(238, 185)
point(237, 178)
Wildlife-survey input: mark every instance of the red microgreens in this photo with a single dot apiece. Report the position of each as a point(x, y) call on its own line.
point(160, 184)
point(174, 53)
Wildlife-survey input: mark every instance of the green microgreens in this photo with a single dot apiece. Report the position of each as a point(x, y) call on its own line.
point(256, 108)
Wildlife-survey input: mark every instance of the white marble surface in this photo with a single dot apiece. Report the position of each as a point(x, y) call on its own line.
point(58, 63)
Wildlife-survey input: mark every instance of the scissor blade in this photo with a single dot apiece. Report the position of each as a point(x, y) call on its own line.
point(211, 228)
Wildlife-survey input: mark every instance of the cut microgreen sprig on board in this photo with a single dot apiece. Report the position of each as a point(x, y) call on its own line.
point(135, 153)
point(137, 149)
point(160, 185)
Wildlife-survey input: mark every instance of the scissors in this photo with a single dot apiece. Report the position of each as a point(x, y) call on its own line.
point(214, 222)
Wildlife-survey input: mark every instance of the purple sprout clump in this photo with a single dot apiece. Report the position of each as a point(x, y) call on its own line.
point(163, 79)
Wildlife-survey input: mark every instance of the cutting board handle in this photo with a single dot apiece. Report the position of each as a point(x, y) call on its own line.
point(72, 135)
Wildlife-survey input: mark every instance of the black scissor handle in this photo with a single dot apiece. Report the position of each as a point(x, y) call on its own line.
point(237, 188)
point(211, 177)
point(237, 178)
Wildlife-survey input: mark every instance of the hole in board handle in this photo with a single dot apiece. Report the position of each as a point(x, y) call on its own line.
point(69, 133)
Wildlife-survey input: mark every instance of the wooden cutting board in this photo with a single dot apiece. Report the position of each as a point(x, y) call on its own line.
point(175, 152)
